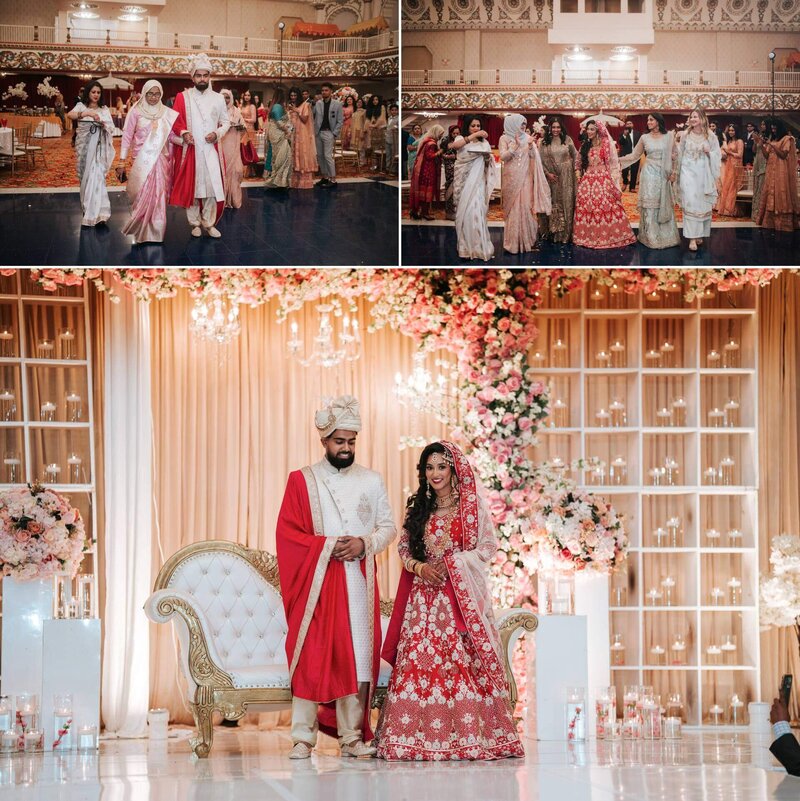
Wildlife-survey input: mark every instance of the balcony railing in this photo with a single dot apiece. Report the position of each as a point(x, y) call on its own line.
point(698, 79)
point(30, 34)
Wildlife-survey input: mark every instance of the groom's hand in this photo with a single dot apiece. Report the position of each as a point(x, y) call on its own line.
point(348, 548)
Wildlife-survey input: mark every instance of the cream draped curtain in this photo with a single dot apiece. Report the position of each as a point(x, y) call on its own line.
point(231, 422)
point(779, 453)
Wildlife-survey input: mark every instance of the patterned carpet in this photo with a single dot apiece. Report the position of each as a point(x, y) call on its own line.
point(60, 170)
point(629, 201)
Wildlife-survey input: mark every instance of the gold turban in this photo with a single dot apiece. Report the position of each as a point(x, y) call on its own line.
point(343, 412)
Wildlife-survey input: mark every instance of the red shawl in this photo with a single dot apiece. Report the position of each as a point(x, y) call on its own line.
point(183, 163)
point(325, 666)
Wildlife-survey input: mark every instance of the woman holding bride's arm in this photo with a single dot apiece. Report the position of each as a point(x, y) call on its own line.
point(473, 184)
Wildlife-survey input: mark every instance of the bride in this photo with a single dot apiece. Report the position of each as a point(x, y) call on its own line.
point(473, 185)
point(447, 697)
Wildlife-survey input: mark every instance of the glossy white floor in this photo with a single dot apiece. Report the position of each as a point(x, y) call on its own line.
point(248, 764)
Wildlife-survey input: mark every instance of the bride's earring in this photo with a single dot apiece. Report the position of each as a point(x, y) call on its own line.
point(429, 492)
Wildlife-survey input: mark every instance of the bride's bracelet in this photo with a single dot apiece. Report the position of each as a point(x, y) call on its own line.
point(414, 566)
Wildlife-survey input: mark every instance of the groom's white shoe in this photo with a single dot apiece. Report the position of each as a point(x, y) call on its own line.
point(213, 232)
point(301, 750)
point(358, 749)
point(196, 231)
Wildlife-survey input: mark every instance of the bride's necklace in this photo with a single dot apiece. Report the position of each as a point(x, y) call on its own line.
point(443, 504)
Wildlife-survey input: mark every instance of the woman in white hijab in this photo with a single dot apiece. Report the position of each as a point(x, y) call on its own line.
point(525, 189)
point(473, 184)
point(146, 136)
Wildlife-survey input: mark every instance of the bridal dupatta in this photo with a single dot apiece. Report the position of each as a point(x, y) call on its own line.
point(468, 571)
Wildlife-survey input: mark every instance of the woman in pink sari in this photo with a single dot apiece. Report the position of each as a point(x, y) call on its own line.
point(232, 153)
point(147, 137)
point(526, 192)
point(304, 146)
point(447, 697)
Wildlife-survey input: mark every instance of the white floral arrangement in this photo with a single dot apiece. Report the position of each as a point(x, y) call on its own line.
point(346, 91)
point(540, 125)
point(578, 531)
point(780, 590)
point(41, 533)
point(46, 90)
point(16, 91)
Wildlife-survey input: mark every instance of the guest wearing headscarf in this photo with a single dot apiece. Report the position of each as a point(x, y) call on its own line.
point(525, 189)
point(146, 137)
point(232, 153)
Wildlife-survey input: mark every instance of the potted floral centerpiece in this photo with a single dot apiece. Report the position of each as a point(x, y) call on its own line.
point(780, 590)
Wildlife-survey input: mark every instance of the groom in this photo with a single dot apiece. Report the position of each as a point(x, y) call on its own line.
point(334, 518)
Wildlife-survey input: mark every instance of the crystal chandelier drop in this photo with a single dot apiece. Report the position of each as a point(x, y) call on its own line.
point(330, 348)
point(216, 319)
point(424, 393)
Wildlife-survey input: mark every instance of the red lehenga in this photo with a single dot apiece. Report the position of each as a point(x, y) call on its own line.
point(448, 697)
point(600, 218)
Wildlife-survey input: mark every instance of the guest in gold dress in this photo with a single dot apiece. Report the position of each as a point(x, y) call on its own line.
point(558, 160)
point(732, 178)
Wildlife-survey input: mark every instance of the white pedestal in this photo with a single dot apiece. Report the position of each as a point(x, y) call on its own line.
point(591, 599)
point(71, 654)
point(561, 662)
point(26, 606)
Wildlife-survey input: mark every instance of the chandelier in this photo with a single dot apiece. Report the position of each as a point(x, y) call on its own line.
point(215, 319)
point(424, 393)
point(331, 348)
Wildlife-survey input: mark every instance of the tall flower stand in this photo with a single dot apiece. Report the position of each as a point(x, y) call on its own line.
point(26, 607)
point(592, 600)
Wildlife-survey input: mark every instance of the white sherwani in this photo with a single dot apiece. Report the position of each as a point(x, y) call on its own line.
point(206, 113)
point(354, 503)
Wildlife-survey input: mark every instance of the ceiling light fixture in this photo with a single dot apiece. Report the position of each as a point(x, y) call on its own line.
point(130, 17)
point(85, 15)
point(579, 57)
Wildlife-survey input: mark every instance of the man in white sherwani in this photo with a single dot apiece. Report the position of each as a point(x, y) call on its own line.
point(199, 171)
point(334, 519)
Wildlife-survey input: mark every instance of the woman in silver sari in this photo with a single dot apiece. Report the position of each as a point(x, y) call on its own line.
point(279, 133)
point(94, 148)
point(657, 226)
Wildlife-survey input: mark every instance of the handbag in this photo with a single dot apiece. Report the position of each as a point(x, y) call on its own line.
point(249, 154)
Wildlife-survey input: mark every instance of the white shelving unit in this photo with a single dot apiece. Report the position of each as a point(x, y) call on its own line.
point(573, 355)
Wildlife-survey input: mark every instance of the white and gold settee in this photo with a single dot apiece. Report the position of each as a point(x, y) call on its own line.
point(231, 629)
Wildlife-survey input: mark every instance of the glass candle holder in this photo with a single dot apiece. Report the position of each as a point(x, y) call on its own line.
point(86, 597)
point(606, 713)
point(667, 354)
point(597, 475)
point(556, 592)
point(674, 532)
point(677, 649)
point(713, 359)
point(603, 418)
point(619, 595)
point(675, 706)
point(9, 741)
point(87, 738)
point(664, 417)
point(658, 654)
point(73, 404)
point(710, 476)
point(654, 596)
point(6, 713)
point(619, 471)
point(657, 476)
point(716, 417)
point(62, 594)
point(651, 717)
point(559, 353)
point(8, 404)
point(735, 538)
point(27, 712)
point(735, 591)
point(616, 298)
point(52, 472)
point(12, 464)
point(62, 722)
point(730, 353)
point(672, 728)
point(736, 710)
point(158, 724)
point(652, 358)
point(44, 349)
point(679, 405)
point(617, 650)
point(34, 740)
point(713, 654)
point(596, 298)
point(732, 413)
point(713, 538)
point(726, 468)
point(602, 359)
point(660, 537)
point(618, 353)
point(67, 339)
point(672, 469)
point(47, 411)
point(717, 596)
point(619, 419)
point(74, 463)
point(729, 648)
point(576, 714)
point(668, 583)
point(538, 359)
point(559, 414)
point(6, 342)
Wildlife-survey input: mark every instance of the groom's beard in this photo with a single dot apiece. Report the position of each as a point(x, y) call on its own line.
point(341, 462)
point(201, 86)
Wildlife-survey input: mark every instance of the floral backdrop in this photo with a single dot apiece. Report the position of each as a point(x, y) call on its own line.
point(486, 319)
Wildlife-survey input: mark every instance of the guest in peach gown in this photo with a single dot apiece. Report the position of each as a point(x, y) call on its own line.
point(147, 138)
point(232, 153)
point(732, 179)
point(779, 207)
point(348, 107)
point(304, 147)
point(525, 189)
point(357, 130)
point(250, 117)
